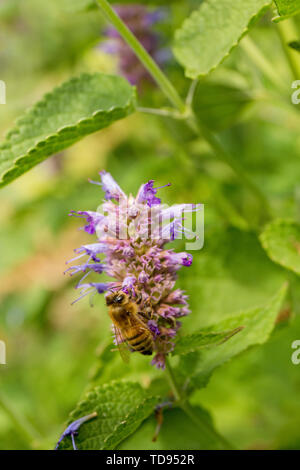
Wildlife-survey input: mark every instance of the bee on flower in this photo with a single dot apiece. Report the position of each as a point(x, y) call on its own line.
point(131, 233)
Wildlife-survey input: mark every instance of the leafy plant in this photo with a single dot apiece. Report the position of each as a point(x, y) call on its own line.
point(211, 144)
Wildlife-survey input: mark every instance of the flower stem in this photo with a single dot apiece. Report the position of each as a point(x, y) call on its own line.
point(143, 55)
point(184, 404)
point(172, 381)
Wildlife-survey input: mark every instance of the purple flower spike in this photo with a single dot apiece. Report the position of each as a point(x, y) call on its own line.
point(72, 429)
point(131, 236)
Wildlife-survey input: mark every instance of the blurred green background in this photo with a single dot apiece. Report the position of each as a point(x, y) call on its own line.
point(51, 345)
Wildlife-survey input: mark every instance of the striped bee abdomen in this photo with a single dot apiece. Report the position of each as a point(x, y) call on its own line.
point(141, 342)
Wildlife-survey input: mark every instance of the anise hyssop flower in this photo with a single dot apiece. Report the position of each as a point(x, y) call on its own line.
point(130, 248)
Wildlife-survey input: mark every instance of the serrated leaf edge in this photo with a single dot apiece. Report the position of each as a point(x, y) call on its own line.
point(128, 107)
point(211, 345)
point(189, 72)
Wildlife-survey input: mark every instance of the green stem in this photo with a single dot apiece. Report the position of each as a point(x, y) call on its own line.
point(171, 93)
point(173, 113)
point(191, 92)
point(142, 54)
point(184, 404)
point(172, 382)
point(262, 62)
point(287, 33)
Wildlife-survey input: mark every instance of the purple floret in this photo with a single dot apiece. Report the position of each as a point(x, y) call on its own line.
point(72, 429)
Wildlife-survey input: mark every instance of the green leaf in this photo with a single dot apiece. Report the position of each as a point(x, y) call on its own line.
point(170, 437)
point(121, 407)
point(207, 37)
point(219, 106)
point(75, 109)
point(281, 240)
point(286, 8)
point(258, 324)
point(203, 339)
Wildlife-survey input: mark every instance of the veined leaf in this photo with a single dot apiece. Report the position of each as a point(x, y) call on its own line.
point(286, 8)
point(212, 31)
point(121, 407)
point(258, 324)
point(75, 109)
point(189, 437)
point(281, 240)
point(203, 339)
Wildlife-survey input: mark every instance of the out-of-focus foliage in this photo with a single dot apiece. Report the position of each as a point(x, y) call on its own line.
point(219, 105)
point(281, 240)
point(257, 325)
point(56, 352)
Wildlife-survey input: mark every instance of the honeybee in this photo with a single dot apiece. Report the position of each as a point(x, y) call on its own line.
point(129, 327)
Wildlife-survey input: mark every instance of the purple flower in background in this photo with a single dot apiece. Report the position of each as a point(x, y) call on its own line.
point(131, 236)
point(140, 21)
point(72, 429)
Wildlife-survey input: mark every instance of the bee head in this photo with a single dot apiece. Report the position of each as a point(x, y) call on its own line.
point(116, 298)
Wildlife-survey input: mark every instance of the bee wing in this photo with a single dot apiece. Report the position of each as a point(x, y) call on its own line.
point(121, 344)
point(147, 313)
point(142, 320)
